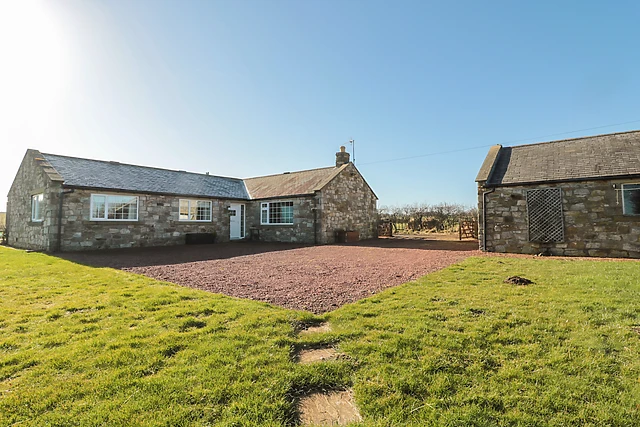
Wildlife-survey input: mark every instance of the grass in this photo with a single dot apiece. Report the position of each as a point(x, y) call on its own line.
point(87, 346)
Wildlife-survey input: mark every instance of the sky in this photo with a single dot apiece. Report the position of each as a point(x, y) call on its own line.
point(254, 87)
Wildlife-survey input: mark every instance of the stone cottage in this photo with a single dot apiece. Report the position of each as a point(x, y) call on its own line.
point(575, 197)
point(70, 204)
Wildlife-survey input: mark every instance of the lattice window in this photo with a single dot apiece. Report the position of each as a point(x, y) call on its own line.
point(546, 222)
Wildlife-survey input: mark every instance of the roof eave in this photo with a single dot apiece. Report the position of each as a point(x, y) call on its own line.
point(288, 196)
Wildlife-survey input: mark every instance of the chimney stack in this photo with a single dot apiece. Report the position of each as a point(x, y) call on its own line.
point(342, 157)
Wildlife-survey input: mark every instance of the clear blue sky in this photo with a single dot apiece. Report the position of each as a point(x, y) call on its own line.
point(246, 88)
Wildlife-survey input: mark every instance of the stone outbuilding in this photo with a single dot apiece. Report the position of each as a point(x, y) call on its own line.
point(574, 197)
point(70, 204)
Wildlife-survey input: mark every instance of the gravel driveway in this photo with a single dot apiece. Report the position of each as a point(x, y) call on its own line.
point(314, 278)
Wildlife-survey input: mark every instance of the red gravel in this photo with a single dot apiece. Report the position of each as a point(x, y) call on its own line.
point(318, 278)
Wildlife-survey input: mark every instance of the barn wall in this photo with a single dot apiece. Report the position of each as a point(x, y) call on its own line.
point(594, 223)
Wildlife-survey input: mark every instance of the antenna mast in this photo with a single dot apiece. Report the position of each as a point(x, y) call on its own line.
point(353, 144)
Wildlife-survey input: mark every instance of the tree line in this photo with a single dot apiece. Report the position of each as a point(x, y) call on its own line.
point(426, 217)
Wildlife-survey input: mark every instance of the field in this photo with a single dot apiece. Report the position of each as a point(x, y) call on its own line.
point(97, 346)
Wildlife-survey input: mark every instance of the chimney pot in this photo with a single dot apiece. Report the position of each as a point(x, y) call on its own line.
point(342, 148)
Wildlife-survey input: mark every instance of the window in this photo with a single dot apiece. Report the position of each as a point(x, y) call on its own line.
point(546, 221)
point(114, 208)
point(195, 210)
point(631, 199)
point(276, 213)
point(37, 207)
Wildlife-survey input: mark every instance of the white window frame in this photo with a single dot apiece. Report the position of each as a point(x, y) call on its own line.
point(37, 200)
point(624, 212)
point(189, 201)
point(106, 208)
point(265, 207)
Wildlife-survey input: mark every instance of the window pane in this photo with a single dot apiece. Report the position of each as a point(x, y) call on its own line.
point(204, 211)
point(281, 213)
point(122, 207)
point(37, 211)
point(193, 211)
point(184, 210)
point(631, 199)
point(98, 207)
point(264, 218)
point(274, 213)
point(287, 213)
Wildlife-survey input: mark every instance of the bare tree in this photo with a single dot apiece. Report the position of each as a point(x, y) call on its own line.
point(424, 217)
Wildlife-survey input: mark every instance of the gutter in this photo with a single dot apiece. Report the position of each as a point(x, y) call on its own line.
point(484, 218)
point(59, 236)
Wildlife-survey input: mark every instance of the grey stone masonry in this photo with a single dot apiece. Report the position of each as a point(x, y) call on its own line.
point(158, 223)
point(594, 223)
point(342, 157)
point(302, 230)
point(31, 179)
point(347, 203)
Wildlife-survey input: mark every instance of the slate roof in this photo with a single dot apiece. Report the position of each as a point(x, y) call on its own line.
point(98, 174)
point(291, 183)
point(593, 157)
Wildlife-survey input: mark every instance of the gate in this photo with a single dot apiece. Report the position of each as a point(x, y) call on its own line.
point(468, 229)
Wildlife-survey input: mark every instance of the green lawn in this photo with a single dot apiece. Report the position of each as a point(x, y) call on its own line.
point(87, 346)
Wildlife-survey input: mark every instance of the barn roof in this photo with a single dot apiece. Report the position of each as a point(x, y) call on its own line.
point(587, 158)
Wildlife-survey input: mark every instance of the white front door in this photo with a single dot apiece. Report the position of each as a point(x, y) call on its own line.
point(236, 221)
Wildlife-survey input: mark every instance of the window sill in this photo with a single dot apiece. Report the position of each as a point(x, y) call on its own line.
point(113, 220)
point(187, 221)
point(35, 223)
point(279, 225)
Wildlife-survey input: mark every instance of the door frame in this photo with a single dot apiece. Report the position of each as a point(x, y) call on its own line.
point(242, 212)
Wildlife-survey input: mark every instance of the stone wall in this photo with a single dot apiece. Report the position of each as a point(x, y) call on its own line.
point(157, 223)
point(302, 230)
point(594, 224)
point(31, 179)
point(347, 203)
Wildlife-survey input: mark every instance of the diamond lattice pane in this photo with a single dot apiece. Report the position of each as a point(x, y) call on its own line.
point(546, 222)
